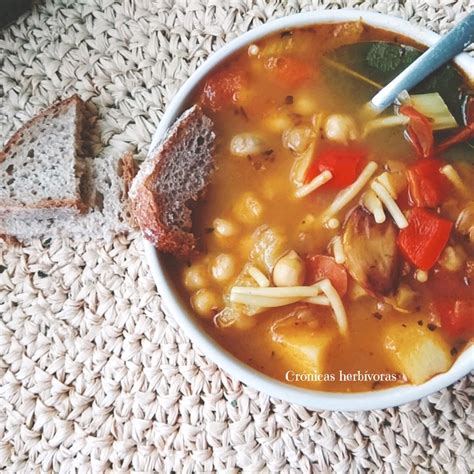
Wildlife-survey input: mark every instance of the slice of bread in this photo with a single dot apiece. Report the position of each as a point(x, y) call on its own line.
point(174, 176)
point(41, 167)
point(106, 183)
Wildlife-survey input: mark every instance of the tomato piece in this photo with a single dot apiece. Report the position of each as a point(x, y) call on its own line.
point(319, 267)
point(345, 164)
point(419, 131)
point(427, 187)
point(425, 238)
point(222, 88)
point(289, 71)
point(457, 316)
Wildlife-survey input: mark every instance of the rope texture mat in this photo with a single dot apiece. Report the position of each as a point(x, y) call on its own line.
point(93, 376)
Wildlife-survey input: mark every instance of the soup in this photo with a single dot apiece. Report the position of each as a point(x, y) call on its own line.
point(337, 246)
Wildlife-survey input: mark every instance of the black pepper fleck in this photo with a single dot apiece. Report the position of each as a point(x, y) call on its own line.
point(289, 99)
point(377, 315)
point(431, 327)
point(42, 274)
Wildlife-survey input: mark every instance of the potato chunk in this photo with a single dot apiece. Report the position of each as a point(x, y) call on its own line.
point(302, 345)
point(417, 352)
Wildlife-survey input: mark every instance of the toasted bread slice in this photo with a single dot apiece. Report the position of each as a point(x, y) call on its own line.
point(171, 179)
point(106, 182)
point(41, 167)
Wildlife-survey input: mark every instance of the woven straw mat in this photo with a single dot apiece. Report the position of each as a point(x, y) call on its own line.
point(93, 376)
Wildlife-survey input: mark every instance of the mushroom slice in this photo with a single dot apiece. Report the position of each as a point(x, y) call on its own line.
point(465, 221)
point(372, 256)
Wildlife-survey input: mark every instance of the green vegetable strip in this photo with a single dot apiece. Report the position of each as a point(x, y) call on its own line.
point(342, 68)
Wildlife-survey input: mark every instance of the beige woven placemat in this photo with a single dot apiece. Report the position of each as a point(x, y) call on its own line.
point(93, 377)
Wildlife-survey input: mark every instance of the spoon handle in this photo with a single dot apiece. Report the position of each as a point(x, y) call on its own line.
point(461, 36)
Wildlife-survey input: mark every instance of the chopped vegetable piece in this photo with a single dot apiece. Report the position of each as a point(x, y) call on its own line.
point(301, 165)
point(425, 238)
point(289, 71)
point(372, 256)
point(404, 300)
point(427, 186)
point(464, 134)
point(433, 107)
point(457, 316)
point(344, 163)
point(419, 131)
point(222, 88)
point(416, 351)
point(301, 344)
point(320, 267)
point(465, 221)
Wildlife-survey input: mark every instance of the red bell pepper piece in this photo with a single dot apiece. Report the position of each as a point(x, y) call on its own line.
point(222, 88)
point(419, 131)
point(425, 238)
point(427, 187)
point(319, 267)
point(465, 134)
point(462, 135)
point(343, 162)
point(289, 71)
point(457, 316)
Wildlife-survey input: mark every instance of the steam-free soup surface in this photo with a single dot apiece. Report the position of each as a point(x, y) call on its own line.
point(288, 110)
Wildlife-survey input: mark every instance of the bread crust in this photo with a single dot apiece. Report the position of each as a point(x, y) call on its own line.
point(75, 205)
point(147, 203)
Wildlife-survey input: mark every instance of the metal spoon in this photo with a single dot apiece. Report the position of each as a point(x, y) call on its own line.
point(461, 36)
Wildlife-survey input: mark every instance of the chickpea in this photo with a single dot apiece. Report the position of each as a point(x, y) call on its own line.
point(244, 144)
point(277, 122)
point(224, 227)
point(297, 139)
point(205, 302)
point(253, 50)
point(195, 277)
point(289, 270)
point(305, 104)
point(248, 209)
point(340, 128)
point(224, 267)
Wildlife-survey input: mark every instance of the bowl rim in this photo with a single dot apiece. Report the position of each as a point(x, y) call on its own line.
point(173, 305)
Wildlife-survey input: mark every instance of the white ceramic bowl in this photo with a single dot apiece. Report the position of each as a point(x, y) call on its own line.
point(180, 311)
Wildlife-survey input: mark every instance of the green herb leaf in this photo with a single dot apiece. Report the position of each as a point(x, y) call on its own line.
point(384, 57)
